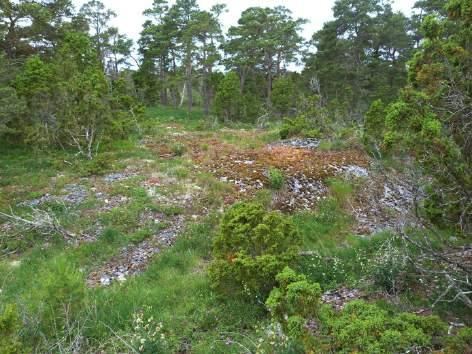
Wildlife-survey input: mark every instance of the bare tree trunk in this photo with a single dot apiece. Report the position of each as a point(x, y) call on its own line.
point(162, 76)
point(269, 90)
point(206, 95)
point(182, 97)
point(242, 79)
point(269, 63)
point(10, 39)
point(189, 83)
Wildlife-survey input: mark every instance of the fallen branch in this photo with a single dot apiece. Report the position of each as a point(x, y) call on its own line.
point(39, 221)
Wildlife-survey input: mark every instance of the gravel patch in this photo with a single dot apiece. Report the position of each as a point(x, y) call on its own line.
point(134, 259)
point(307, 143)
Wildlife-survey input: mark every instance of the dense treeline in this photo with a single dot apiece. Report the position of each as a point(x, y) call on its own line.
point(353, 60)
point(185, 58)
point(69, 79)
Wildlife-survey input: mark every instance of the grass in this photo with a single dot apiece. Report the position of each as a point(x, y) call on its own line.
point(175, 288)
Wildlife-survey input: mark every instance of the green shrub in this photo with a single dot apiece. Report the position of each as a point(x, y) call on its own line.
point(294, 303)
point(299, 126)
point(366, 328)
point(10, 326)
point(389, 266)
point(374, 122)
point(252, 247)
point(276, 178)
point(358, 328)
point(312, 133)
point(98, 166)
point(228, 97)
point(284, 95)
point(460, 343)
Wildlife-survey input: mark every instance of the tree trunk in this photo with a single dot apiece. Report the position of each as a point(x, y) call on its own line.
point(206, 94)
point(189, 83)
point(182, 98)
point(10, 39)
point(162, 76)
point(269, 90)
point(269, 63)
point(242, 79)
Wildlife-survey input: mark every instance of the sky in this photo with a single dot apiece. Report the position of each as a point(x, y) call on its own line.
point(130, 17)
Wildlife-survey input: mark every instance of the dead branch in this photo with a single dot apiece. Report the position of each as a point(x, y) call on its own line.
point(39, 221)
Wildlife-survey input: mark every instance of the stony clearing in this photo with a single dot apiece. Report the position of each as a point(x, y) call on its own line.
point(186, 175)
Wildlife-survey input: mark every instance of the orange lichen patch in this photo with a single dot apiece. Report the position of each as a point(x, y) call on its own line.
point(253, 164)
point(161, 149)
point(152, 182)
point(305, 170)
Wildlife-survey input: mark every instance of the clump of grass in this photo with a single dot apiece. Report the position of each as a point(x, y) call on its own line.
point(276, 178)
point(110, 235)
point(325, 145)
point(340, 190)
point(215, 190)
point(263, 197)
point(100, 165)
point(168, 210)
point(180, 172)
point(178, 149)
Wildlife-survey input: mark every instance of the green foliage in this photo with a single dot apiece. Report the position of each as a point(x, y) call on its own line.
point(359, 327)
point(100, 165)
point(276, 178)
point(12, 109)
point(251, 107)
point(293, 303)
point(35, 80)
point(374, 122)
point(418, 122)
point(366, 328)
point(148, 335)
point(178, 149)
point(264, 39)
point(299, 126)
point(228, 97)
point(283, 95)
point(389, 266)
point(354, 64)
point(10, 326)
point(58, 298)
point(340, 190)
point(253, 245)
point(460, 343)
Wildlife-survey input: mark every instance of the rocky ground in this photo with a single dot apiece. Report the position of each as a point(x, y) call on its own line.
point(133, 259)
point(379, 203)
